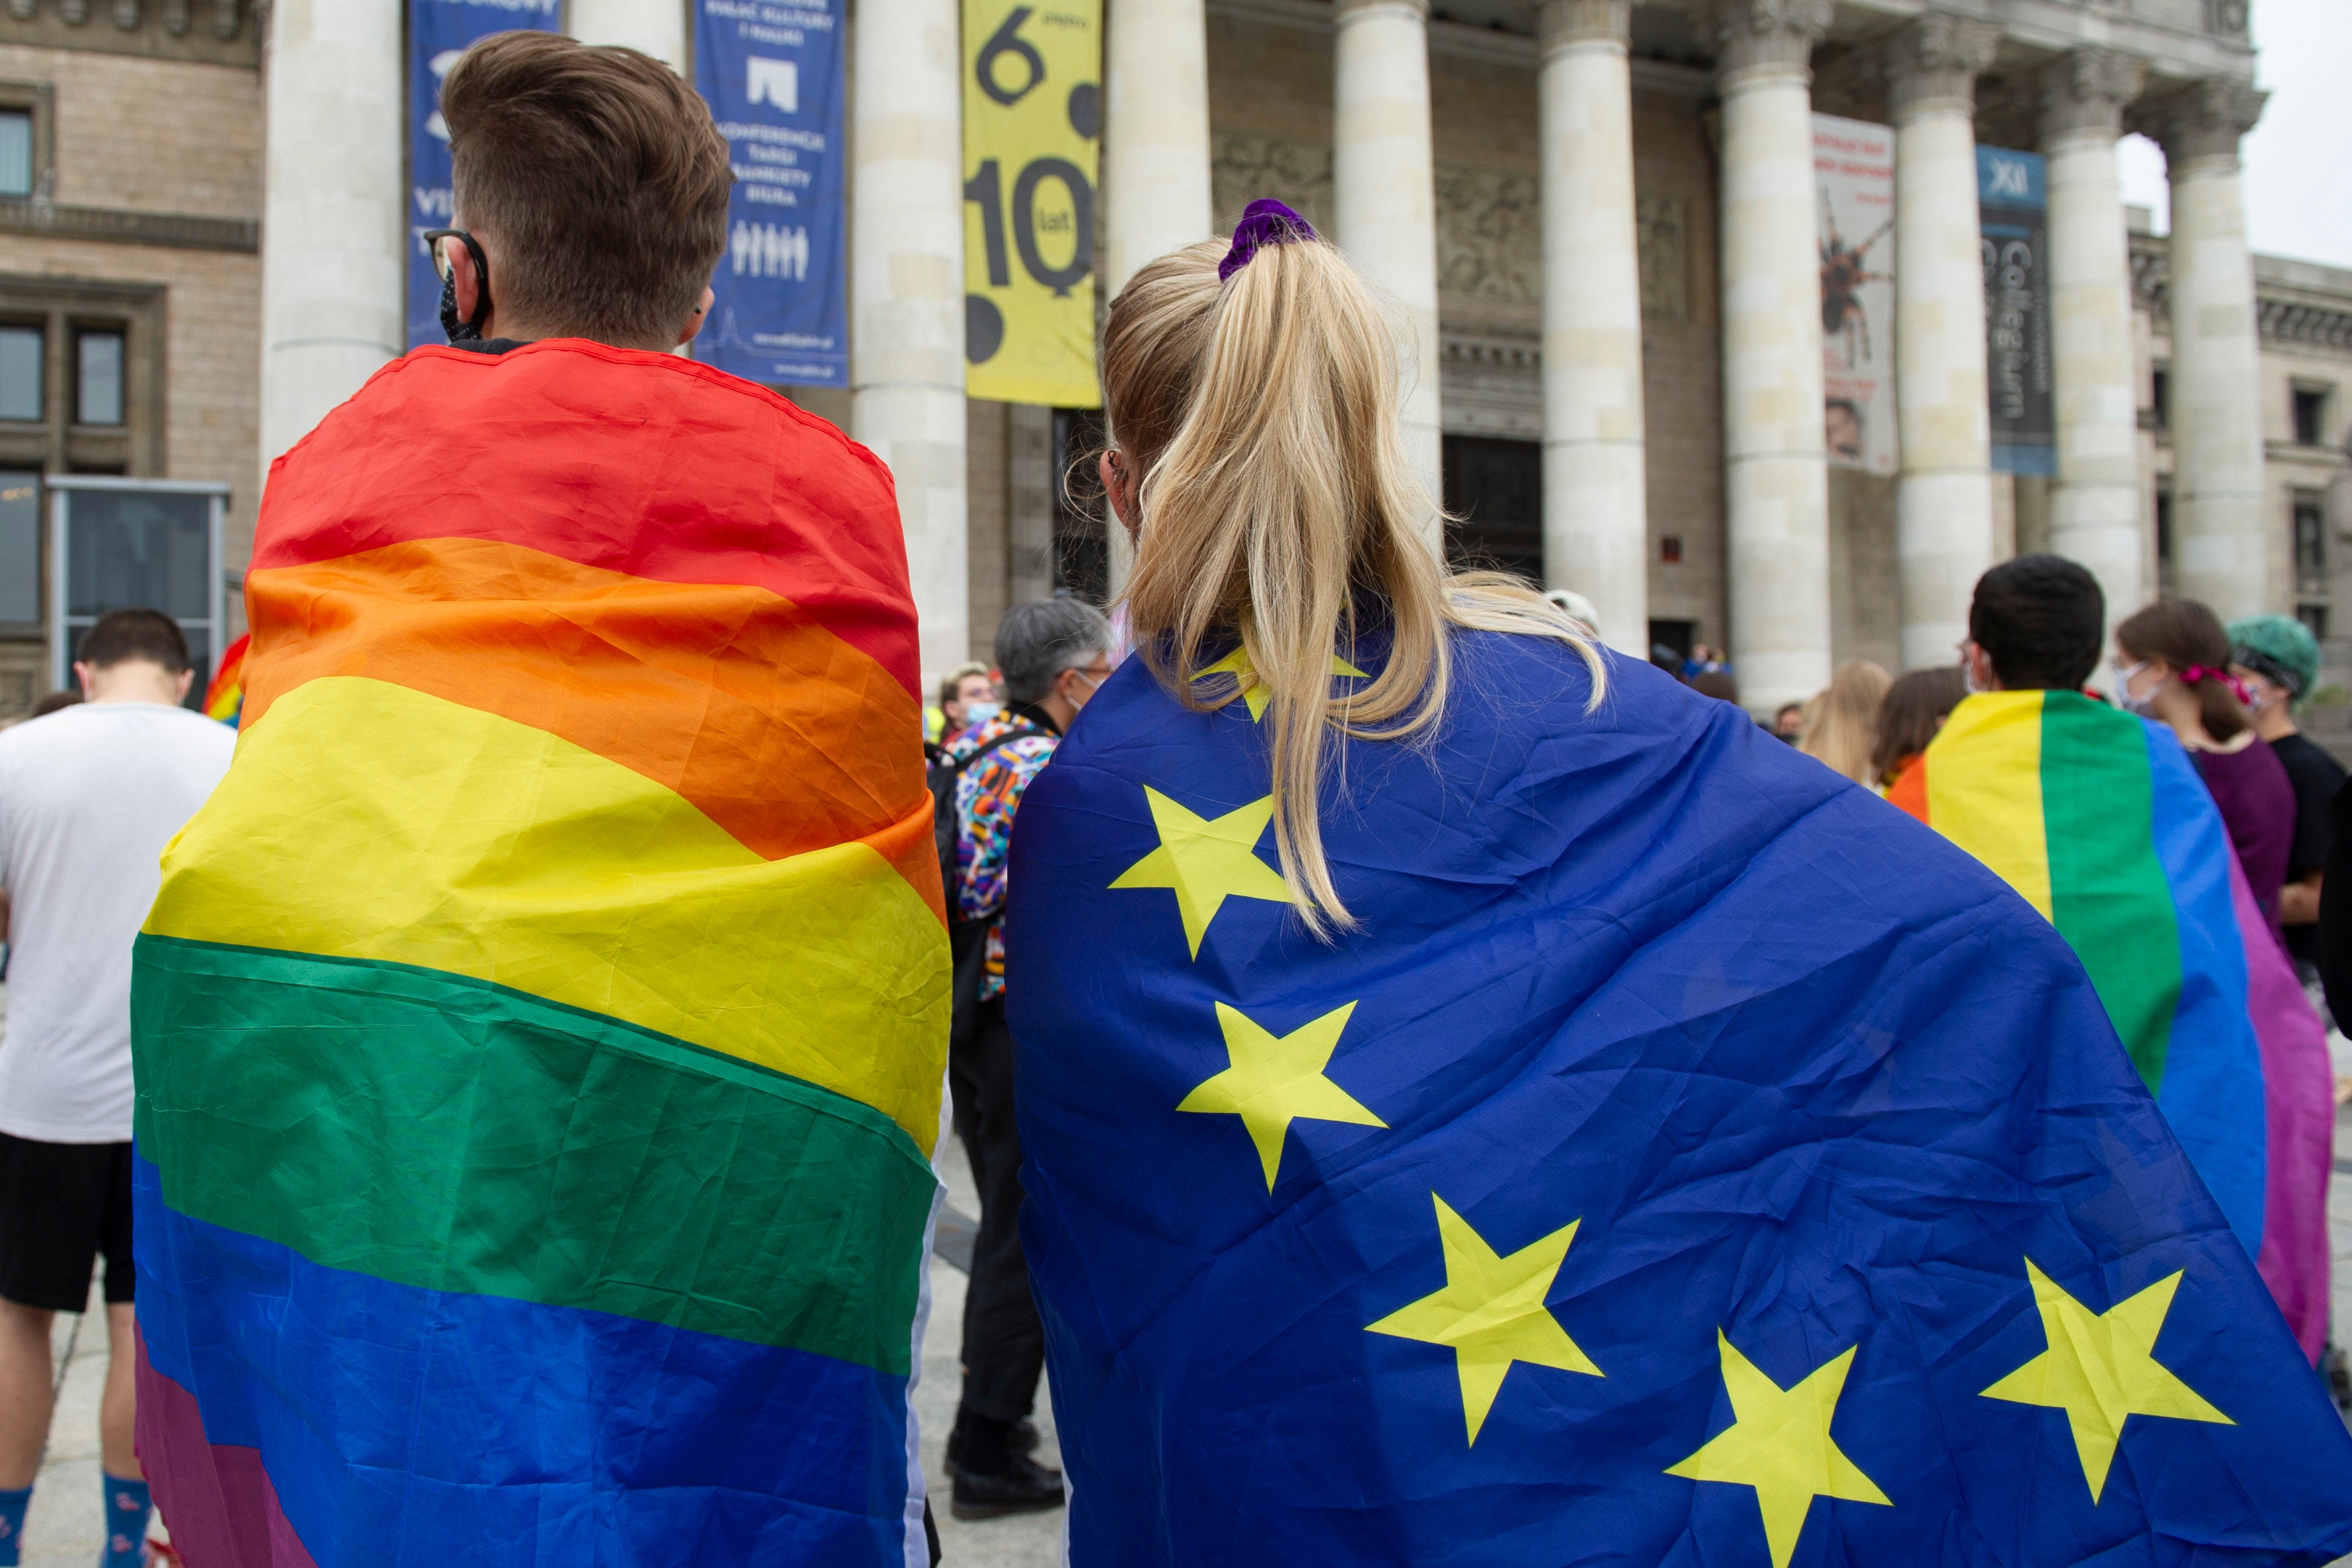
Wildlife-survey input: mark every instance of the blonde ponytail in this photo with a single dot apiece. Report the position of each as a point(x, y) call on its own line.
point(1260, 414)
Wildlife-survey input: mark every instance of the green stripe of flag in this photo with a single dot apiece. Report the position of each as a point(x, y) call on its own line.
point(2108, 895)
point(455, 1135)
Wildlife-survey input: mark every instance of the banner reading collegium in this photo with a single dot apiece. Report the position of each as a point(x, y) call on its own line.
point(2013, 205)
point(1032, 124)
point(771, 73)
point(1853, 164)
point(438, 32)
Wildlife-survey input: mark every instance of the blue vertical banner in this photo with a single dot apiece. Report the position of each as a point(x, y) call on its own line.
point(772, 70)
point(2013, 211)
point(438, 32)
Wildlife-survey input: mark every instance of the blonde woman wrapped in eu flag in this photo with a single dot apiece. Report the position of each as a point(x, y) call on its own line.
point(1485, 1104)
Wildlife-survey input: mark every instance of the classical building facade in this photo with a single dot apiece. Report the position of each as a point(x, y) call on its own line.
point(1596, 221)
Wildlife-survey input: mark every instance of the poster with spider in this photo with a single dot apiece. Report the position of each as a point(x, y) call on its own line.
point(1853, 167)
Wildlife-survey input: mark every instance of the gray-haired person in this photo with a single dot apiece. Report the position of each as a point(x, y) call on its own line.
point(1054, 655)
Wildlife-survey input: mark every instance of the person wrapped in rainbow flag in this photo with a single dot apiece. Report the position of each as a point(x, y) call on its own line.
point(539, 1036)
point(2099, 819)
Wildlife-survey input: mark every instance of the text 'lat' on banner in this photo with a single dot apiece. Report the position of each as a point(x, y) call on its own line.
point(1031, 129)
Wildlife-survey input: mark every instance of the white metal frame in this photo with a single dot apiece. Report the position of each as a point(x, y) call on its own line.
point(215, 603)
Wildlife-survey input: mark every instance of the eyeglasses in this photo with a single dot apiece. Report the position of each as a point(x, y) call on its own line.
point(431, 238)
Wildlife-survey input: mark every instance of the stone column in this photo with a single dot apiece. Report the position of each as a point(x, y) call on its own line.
point(2221, 536)
point(906, 290)
point(335, 227)
point(1595, 507)
point(1775, 472)
point(1155, 172)
point(1384, 198)
point(656, 27)
point(2094, 507)
point(1943, 501)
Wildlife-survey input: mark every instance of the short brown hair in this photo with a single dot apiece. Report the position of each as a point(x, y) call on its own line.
point(600, 176)
point(148, 635)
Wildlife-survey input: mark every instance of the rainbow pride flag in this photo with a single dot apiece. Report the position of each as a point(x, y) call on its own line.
point(2099, 819)
point(225, 697)
point(539, 1036)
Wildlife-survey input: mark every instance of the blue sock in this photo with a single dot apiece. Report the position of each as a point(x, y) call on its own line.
point(127, 1507)
point(12, 1522)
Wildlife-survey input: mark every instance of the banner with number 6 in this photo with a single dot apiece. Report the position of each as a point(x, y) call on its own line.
point(1032, 135)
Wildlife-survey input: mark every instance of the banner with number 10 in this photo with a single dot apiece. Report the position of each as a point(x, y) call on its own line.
point(1031, 131)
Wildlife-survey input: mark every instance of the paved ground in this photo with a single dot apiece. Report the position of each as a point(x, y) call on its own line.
point(1034, 1541)
point(63, 1528)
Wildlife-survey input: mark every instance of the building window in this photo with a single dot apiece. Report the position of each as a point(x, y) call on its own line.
point(147, 543)
point(81, 375)
point(2167, 578)
point(20, 550)
point(97, 378)
point(1496, 488)
point(16, 152)
point(2310, 416)
point(2160, 398)
point(2315, 616)
point(20, 373)
point(2310, 543)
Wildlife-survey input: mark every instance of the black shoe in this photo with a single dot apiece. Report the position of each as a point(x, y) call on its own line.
point(1022, 1486)
point(1020, 1439)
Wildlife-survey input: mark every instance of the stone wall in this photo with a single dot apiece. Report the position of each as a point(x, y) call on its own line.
point(160, 137)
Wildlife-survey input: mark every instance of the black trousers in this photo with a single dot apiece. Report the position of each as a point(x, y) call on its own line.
point(1003, 1343)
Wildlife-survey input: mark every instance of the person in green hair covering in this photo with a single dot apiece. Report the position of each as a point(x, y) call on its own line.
point(2277, 659)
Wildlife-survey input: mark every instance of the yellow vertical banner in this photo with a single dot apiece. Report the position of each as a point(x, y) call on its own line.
point(1032, 139)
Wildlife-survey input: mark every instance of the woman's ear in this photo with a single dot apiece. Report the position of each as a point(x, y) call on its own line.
point(1120, 484)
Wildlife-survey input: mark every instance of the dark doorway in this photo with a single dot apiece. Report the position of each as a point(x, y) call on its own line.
point(1679, 636)
point(1081, 545)
point(1496, 488)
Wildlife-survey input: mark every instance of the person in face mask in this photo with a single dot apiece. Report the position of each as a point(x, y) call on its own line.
point(2172, 665)
point(967, 698)
point(2277, 660)
point(1056, 654)
point(2119, 831)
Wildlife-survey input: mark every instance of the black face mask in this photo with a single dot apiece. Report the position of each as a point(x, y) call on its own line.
point(458, 331)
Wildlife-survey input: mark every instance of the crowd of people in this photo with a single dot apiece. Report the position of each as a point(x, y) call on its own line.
point(1436, 1088)
point(2228, 694)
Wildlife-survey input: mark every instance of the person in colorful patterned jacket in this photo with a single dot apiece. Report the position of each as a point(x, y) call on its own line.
point(1053, 653)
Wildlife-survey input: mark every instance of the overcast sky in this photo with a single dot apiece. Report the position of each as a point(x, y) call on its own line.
point(2298, 172)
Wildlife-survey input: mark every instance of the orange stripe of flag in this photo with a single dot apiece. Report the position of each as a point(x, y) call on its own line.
point(778, 730)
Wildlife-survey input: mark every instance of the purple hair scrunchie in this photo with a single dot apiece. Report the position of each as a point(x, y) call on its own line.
point(1264, 222)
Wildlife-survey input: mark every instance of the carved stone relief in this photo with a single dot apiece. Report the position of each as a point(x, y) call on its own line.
point(1244, 166)
point(1489, 234)
point(1662, 230)
point(1489, 221)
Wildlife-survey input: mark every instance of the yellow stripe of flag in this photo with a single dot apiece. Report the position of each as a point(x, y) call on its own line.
point(1992, 809)
point(366, 820)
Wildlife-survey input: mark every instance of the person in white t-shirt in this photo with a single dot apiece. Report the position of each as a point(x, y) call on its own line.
point(89, 797)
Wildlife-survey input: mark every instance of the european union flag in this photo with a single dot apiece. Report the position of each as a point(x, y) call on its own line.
point(1690, 1160)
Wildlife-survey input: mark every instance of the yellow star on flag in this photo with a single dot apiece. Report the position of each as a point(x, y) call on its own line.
point(1272, 1082)
point(1491, 1311)
point(2100, 1369)
point(1206, 861)
point(1253, 691)
point(1779, 1442)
